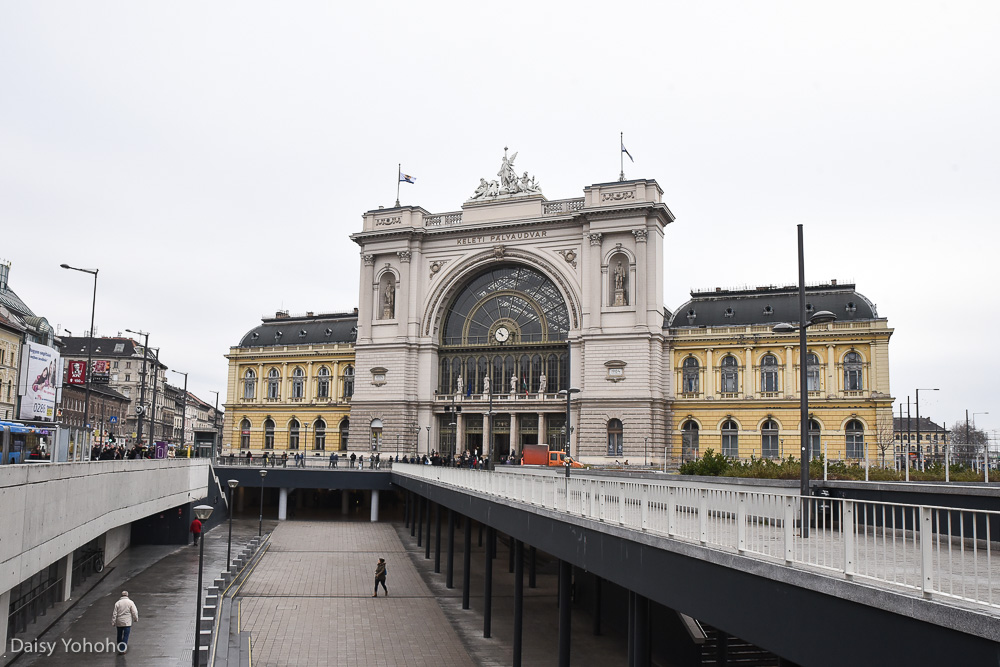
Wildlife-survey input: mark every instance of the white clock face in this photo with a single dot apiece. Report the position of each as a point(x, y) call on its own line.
point(502, 334)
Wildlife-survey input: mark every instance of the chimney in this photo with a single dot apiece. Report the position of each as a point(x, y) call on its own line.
point(309, 313)
point(717, 289)
point(834, 282)
point(281, 315)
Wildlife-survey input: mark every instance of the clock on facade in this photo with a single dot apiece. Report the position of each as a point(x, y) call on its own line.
point(501, 334)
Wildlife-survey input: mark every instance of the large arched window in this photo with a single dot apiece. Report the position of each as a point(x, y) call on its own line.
point(319, 435)
point(730, 375)
point(730, 439)
point(298, 383)
point(769, 373)
point(268, 433)
point(615, 433)
point(691, 372)
point(323, 382)
point(345, 427)
point(249, 384)
point(769, 439)
point(852, 372)
point(293, 434)
point(245, 434)
point(854, 434)
point(348, 380)
point(273, 384)
point(689, 441)
point(812, 372)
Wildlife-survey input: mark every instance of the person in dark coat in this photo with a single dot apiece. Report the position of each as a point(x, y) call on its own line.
point(380, 573)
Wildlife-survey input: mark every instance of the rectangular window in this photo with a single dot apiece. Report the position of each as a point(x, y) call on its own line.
point(128, 364)
point(128, 378)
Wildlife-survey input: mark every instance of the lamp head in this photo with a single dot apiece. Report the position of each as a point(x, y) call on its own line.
point(66, 266)
point(203, 512)
point(233, 483)
point(263, 473)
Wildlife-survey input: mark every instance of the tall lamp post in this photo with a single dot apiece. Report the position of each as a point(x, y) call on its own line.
point(90, 348)
point(184, 402)
point(820, 317)
point(233, 483)
point(142, 387)
point(489, 421)
point(216, 440)
point(203, 512)
point(260, 523)
point(920, 454)
point(569, 429)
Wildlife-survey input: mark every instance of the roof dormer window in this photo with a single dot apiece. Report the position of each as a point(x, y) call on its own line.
point(851, 307)
point(302, 333)
point(692, 316)
point(730, 312)
point(768, 311)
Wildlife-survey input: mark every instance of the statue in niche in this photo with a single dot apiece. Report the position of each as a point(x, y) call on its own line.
point(541, 383)
point(486, 384)
point(513, 384)
point(459, 386)
point(620, 299)
point(389, 301)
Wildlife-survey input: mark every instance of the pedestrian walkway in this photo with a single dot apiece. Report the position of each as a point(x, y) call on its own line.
point(161, 580)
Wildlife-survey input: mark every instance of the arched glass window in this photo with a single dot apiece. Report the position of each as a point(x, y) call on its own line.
point(345, 427)
point(245, 434)
point(249, 384)
point(730, 439)
point(323, 382)
point(273, 384)
point(691, 372)
point(814, 445)
point(298, 383)
point(268, 434)
point(812, 372)
point(855, 440)
point(769, 373)
point(348, 381)
point(293, 434)
point(689, 441)
point(769, 440)
point(615, 433)
point(852, 372)
point(319, 435)
point(730, 375)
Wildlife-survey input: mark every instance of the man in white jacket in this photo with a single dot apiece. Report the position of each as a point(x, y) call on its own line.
point(123, 616)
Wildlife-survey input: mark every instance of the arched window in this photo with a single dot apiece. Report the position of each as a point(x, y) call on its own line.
point(730, 439)
point(812, 372)
point(298, 383)
point(273, 384)
point(348, 378)
point(769, 373)
point(730, 375)
point(691, 372)
point(345, 427)
point(814, 445)
point(689, 441)
point(323, 382)
point(769, 439)
point(249, 384)
point(855, 440)
point(268, 434)
point(293, 434)
point(852, 372)
point(319, 435)
point(376, 435)
point(245, 434)
point(615, 446)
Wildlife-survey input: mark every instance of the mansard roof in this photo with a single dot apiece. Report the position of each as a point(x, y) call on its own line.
point(284, 329)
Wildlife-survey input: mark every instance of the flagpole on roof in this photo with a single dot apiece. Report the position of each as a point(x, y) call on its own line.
point(621, 155)
point(399, 170)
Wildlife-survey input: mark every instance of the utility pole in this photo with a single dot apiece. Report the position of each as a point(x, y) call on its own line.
point(142, 387)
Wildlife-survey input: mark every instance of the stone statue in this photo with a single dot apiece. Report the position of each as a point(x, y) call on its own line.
point(481, 191)
point(486, 384)
point(459, 386)
point(493, 189)
point(513, 384)
point(619, 276)
point(389, 300)
point(508, 177)
point(509, 183)
point(541, 383)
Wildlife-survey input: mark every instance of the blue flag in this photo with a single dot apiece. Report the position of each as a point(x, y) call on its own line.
point(406, 178)
point(625, 150)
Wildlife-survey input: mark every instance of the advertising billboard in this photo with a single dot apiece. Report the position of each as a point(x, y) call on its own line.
point(101, 372)
point(41, 375)
point(76, 372)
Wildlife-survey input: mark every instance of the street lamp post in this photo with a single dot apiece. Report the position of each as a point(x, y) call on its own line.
point(416, 448)
point(216, 440)
point(919, 451)
point(569, 429)
point(260, 523)
point(233, 483)
point(489, 421)
point(203, 512)
point(820, 317)
point(90, 350)
point(183, 410)
point(142, 386)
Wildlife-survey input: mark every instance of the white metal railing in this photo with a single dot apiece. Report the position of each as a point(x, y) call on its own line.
point(940, 552)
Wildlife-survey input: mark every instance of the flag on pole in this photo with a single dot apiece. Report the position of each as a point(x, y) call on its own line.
point(625, 150)
point(406, 178)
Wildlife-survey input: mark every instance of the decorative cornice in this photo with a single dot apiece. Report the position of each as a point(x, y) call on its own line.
point(618, 196)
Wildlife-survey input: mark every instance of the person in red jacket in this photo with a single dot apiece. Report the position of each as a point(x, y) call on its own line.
point(196, 530)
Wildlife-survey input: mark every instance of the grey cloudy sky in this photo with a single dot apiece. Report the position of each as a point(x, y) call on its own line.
point(212, 158)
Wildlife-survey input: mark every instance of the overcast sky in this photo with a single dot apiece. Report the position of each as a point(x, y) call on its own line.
point(211, 159)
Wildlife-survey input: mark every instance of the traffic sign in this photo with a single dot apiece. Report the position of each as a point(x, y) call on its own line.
point(138, 409)
point(113, 419)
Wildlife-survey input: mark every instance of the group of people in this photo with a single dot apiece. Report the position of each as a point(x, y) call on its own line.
point(118, 452)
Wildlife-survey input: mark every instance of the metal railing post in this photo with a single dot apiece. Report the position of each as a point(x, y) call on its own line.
point(926, 552)
point(847, 528)
point(621, 504)
point(645, 506)
point(703, 516)
point(789, 529)
point(741, 522)
point(671, 510)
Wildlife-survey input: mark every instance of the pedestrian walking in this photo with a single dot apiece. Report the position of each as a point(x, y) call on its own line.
point(195, 530)
point(284, 459)
point(124, 615)
point(332, 459)
point(380, 572)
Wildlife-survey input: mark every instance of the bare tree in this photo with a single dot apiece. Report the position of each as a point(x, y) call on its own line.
point(885, 437)
point(967, 443)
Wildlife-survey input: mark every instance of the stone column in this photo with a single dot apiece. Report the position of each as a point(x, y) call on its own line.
point(371, 300)
point(515, 435)
point(374, 505)
point(459, 434)
point(749, 381)
point(4, 604)
point(639, 277)
point(789, 382)
point(485, 451)
point(542, 434)
point(282, 503)
point(65, 572)
point(831, 372)
point(709, 374)
point(308, 390)
point(597, 296)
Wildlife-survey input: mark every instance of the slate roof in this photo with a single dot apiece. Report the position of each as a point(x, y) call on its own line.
point(769, 305)
point(11, 300)
point(319, 329)
point(926, 425)
point(75, 346)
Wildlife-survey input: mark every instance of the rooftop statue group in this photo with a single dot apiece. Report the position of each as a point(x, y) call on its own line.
point(509, 183)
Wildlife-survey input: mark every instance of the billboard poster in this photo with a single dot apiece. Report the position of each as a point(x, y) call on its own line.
point(101, 372)
point(76, 372)
point(41, 374)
